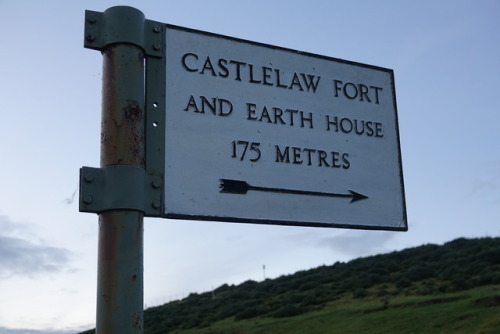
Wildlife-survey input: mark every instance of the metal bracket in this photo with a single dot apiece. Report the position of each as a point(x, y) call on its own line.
point(102, 29)
point(120, 187)
point(124, 187)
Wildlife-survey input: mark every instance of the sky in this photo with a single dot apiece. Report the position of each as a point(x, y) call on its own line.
point(445, 56)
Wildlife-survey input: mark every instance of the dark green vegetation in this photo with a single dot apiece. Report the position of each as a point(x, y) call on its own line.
point(454, 288)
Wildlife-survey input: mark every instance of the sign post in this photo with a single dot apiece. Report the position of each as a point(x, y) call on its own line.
point(120, 252)
point(202, 126)
point(121, 191)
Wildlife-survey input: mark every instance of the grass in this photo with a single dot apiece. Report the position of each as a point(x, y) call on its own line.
point(475, 311)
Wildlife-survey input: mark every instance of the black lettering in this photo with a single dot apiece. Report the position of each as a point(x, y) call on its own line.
point(251, 111)
point(309, 81)
point(322, 155)
point(308, 156)
point(255, 148)
point(208, 66)
point(282, 156)
point(238, 68)
point(306, 119)
point(252, 80)
point(377, 89)
point(345, 162)
point(222, 108)
point(335, 159)
point(363, 92)
point(309, 151)
point(334, 123)
point(343, 127)
point(223, 66)
point(296, 82)
point(205, 102)
point(291, 112)
point(223, 111)
point(356, 127)
point(266, 75)
point(296, 155)
point(184, 64)
point(378, 130)
point(278, 82)
point(336, 87)
point(263, 75)
point(278, 113)
point(192, 104)
point(355, 92)
point(352, 91)
point(369, 129)
point(265, 114)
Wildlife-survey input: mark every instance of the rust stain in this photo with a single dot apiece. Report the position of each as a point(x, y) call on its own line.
point(134, 118)
point(133, 112)
point(106, 297)
point(137, 320)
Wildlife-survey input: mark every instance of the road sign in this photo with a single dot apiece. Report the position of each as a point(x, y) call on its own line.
point(263, 134)
point(237, 131)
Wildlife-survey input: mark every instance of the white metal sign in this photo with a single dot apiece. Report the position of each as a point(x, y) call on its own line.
point(261, 134)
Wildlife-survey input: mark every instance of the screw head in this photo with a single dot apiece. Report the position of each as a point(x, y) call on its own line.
point(156, 183)
point(90, 38)
point(87, 199)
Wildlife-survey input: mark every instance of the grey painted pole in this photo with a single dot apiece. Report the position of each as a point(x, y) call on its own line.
point(120, 250)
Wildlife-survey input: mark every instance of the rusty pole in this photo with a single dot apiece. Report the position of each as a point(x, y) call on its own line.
point(120, 249)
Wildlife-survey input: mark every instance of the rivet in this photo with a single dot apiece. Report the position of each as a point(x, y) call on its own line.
point(87, 199)
point(156, 29)
point(156, 204)
point(91, 20)
point(90, 38)
point(156, 183)
point(156, 47)
point(89, 178)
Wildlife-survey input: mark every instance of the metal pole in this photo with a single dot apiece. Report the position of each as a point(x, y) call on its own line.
point(120, 249)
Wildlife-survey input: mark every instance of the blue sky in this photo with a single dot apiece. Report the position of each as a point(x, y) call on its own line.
point(445, 56)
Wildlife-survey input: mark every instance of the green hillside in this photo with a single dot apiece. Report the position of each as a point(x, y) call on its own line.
point(453, 288)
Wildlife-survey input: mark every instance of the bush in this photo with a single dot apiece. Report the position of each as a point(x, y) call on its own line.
point(403, 282)
point(288, 311)
point(359, 293)
point(248, 313)
point(382, 291)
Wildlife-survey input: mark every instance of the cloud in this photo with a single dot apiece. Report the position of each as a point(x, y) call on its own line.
point(487, 182)
point(22, 257)
point(4, 330)
point(348, 244)
point(353, 244)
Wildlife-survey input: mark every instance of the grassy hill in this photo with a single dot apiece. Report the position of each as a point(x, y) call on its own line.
point(453, 288)
point(473, 311)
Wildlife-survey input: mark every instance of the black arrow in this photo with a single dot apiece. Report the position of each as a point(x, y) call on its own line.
point(242, 187)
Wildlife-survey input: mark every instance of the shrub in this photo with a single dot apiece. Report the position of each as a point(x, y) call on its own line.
point(359, 293)
point(288, 311)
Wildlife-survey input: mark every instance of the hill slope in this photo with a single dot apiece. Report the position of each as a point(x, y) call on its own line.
point(424, 281)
